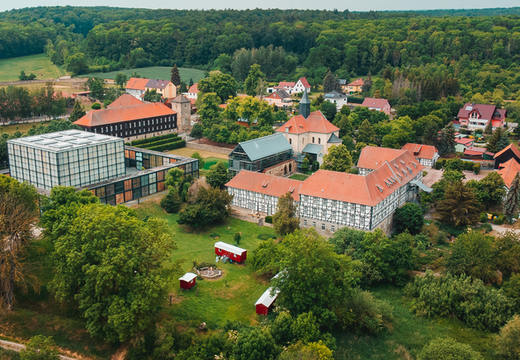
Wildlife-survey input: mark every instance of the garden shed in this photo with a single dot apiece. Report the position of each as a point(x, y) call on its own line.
point(265, 301)
point(188, 280)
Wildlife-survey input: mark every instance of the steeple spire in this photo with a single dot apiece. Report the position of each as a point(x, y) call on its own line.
point(305, 105)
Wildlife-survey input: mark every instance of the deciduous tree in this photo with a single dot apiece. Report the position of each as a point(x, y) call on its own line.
point(112, 266)
point(337, 159)
point(285, 220)
point(409, 217)
point(252, 80)
point(447, 348)
point(218, 175)
point(18, 211)
point(224, 85)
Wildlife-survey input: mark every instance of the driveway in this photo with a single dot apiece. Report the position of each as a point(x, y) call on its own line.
point(434, 175)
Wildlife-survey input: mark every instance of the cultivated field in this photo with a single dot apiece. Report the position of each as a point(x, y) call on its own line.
point(152, 72)
point(39, 64)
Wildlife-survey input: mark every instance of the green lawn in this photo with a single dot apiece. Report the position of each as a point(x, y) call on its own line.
point(39, 64)
point(23, 128)
point(232, 297)
point(299, 176)
point(152, 72)
point(409, 333)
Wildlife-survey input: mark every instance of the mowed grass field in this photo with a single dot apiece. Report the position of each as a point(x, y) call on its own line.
point(152, 72)
point(231, 297)
point(39, 64)
point(12, 128)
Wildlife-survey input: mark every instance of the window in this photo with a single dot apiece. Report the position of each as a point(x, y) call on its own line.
point(290, 141)
point(322, 226)
point(313, 139)
point(319, 140)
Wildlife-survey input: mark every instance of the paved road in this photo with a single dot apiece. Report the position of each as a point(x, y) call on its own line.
point(503, 229)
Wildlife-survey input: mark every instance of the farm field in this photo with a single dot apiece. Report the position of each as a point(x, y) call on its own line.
point(39, 64)
point(232, 297)
point(152, 72)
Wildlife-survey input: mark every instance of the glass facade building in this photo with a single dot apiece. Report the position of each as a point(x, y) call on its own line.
point(67, 158)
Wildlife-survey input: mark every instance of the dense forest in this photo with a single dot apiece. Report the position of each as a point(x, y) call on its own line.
point(433, 53)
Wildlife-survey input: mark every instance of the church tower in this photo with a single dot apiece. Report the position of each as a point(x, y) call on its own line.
point(305, 105)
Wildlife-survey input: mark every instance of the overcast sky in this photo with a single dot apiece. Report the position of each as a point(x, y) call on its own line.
point(361, 5)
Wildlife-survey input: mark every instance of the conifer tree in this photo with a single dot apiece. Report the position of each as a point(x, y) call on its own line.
point(176, 78)
point(330, 83)
point(77, 112)
point(512, 198)
point(497, 141)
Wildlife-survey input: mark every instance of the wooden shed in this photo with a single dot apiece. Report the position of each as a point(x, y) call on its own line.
point(233, 252)
point(265, 301)
point(188, 280)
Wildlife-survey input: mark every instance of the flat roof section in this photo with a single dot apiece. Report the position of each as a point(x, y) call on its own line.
point(64, 140)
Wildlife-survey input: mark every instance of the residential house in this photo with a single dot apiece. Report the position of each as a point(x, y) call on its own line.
point(263, 153)
point(508, 171)
point(279, 98)
point(378, 105)
point(427, 155)
point(477, 116)
point(477, 153)
point(462, 144)
point(355, 86)
point(336, 98)
point(310, 133)
point(509, 152)
point(130, 118)
point(137, 87)
point(193, 92)
point(329, 200)
point(301, 85)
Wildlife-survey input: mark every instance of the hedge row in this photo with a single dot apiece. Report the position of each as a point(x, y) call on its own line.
point(159, 142)
point(170, 146)
point(457, 164)
point(155, 138)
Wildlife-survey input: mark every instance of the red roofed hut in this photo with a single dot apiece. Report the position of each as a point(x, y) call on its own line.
point(233, 252)
point(266, 301)
point(188, 280)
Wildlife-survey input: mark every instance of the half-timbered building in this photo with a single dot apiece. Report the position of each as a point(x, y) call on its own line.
point(329, 200)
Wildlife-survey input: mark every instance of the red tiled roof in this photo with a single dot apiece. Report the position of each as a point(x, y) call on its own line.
point(421, 151)
point(375, 103)
point(305, 83)
point(286, 84)
point(464, 141)
point(315, 122)
point(265, 184)
point(486, 111)
point(372, 157)
point(124, 113)
point(124, 100)
point(474, 151)
point(136, 83)
point(357, 82)
point(511, 147)
point(508, 171)
point(194, 88)
point(367, 190)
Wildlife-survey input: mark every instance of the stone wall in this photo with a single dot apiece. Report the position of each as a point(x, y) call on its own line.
point(285, 168)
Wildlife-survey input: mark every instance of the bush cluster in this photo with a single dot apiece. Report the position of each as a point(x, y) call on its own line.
point(457, 164)
point(480, 306)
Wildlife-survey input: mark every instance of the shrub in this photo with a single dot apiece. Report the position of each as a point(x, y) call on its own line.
point(171, 202)
point(476, 168)
point(468, 299)
point(499, 220)
point(237, 238)
point(40, 348)
point(508, 341)
point(96, 106)
point(483, 217)
point(269, 219)
point(447, 348)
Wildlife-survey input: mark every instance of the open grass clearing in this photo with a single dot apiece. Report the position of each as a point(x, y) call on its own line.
point(409, 333)
point(185, 151)
point(232, 297)
point(39, 64)
point(12, 128)
point(152, 72)
point(299, 176)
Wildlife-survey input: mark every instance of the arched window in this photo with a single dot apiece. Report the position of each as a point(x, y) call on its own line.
point(319, 140)
point(313, 139)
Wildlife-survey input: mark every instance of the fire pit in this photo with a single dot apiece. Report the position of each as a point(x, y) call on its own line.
point(209, 272)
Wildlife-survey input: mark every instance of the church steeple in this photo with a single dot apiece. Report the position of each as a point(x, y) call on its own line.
point(305, 105)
